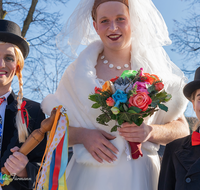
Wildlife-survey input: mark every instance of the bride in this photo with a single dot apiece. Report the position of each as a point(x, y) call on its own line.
point(126, 34)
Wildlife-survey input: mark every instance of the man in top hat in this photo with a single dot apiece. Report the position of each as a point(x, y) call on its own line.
point(18, 116)
point(181, 161)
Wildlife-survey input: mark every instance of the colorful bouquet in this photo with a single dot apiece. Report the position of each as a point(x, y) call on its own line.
point(130, 98)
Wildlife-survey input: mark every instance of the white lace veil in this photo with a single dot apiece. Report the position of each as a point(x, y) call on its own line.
point(149, 34)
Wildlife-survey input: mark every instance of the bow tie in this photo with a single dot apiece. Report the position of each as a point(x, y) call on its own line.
point(2, 100)
point(195, 138)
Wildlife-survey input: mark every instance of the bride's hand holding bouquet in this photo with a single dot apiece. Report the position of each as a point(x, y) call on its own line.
point(128, 99)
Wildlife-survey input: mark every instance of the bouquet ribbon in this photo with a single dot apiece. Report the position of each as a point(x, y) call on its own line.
point(135, 149)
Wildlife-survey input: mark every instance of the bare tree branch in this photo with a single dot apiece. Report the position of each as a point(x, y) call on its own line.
point(45, 64)
point(2, 12)
point(186, 38)
point(29, 17)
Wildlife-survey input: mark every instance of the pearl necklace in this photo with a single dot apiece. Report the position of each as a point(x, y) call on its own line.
point(111, 65)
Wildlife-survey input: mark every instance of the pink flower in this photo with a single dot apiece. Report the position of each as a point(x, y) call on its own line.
point(110, 102)
point(159, 86)
point(141, 71)
point(141, 87)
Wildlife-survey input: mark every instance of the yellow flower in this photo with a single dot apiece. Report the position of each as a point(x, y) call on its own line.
point(115, 110)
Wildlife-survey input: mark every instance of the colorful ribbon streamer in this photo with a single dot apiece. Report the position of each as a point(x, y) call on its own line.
point(53, 172)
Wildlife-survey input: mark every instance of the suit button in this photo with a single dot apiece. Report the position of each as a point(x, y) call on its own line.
point(188, 180)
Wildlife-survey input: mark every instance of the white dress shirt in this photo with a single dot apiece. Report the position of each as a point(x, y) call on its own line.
point(3, 108)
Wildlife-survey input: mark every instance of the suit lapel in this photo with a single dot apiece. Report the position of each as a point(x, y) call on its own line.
point(10, 135)
point(189, 157)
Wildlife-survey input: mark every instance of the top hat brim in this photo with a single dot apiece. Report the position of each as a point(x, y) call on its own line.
point(16, 40)
point(190, 88)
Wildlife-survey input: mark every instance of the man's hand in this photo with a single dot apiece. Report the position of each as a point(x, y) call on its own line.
point(16, 163)
point(98, 145)
point(134, 133)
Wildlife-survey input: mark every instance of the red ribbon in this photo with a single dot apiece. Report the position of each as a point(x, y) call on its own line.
point(24, 110)
point(195, 138)
point(2, 100)
point(135, 149)
point(57, 164)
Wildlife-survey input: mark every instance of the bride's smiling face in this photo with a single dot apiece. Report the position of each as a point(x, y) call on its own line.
point(113, 25)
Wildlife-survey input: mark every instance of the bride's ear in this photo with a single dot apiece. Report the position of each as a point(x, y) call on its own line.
point(95, 26)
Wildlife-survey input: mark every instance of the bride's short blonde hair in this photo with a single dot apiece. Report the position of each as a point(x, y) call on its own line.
point(98, 2)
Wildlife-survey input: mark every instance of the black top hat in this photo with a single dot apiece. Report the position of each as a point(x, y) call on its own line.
point(192, 86)
point(10, 32)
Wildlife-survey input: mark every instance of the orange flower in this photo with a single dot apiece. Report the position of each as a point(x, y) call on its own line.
point(149, 78)
point(140, 100)
point(106, 86)
point(114, 79)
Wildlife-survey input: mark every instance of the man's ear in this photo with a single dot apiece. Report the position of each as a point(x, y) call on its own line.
point(95, 26)
point(193, 103)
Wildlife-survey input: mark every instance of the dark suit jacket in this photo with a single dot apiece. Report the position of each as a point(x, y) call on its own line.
point(10, 140)
point(180, 169)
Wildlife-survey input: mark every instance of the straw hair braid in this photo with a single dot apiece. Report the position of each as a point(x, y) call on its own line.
point(22, 128)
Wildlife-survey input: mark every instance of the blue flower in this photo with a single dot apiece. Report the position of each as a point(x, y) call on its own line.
point(120, 97)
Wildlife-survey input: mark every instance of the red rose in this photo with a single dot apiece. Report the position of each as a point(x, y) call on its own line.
point(110, 102)
point(140, 100)
point(159, 86)
point(96, 89)
point(114, 79)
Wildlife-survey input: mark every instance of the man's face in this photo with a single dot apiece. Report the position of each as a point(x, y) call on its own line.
point(7, 64)
point(196, 103)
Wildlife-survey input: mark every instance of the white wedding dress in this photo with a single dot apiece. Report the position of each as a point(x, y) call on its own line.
point(83, 171)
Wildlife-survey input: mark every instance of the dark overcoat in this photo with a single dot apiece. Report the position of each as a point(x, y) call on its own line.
point(180, 169)
point(10, 140)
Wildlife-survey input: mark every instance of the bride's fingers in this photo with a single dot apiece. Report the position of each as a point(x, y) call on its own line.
point(96, 157)
point(101, 154)
point(109, 145)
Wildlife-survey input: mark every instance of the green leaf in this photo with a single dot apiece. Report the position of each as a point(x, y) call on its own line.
point(103, 119)
point(132, 111)
point(136, 109)
point(113, 117)
point(96, 105)
point(93, 97)
point(124, 116)
point(120, 122)
point(115, 128)
point(155, 103)
point(121, 108)
point(151, 89)
point(125, 107)
point(139, 121)
point(133, 91)
point(163, 107)
point(168, 97)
